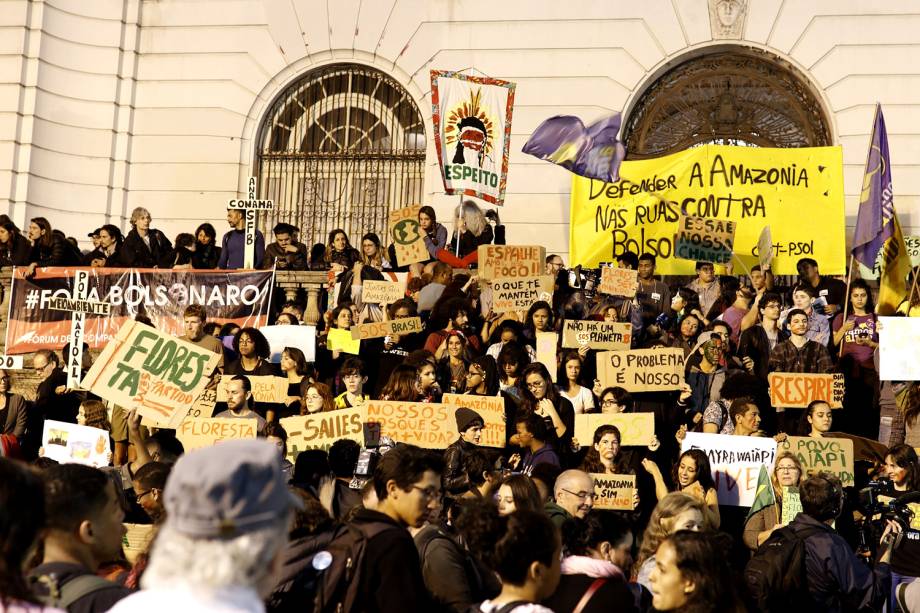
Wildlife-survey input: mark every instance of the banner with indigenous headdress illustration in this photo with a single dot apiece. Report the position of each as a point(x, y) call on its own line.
point(472, 133)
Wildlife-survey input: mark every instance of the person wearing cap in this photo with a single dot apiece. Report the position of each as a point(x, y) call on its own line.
point(469, 425)
point(228, 511)
point(705, 373)
point(285, 253)
point(239, 402)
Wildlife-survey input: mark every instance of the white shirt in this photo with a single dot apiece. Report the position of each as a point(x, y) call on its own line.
point(225, 600)
point(582, 402)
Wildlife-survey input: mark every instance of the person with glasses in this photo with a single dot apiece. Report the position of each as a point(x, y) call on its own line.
point(540, 397)
point(52, 400)
point(482, 377)
point(13, 414)
point(532, 437)
point(149, 483)
point(758, 341)
point(787, 473)
point(573, 496)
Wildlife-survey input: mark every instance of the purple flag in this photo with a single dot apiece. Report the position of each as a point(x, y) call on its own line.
point(592, 152)
point(875, 220)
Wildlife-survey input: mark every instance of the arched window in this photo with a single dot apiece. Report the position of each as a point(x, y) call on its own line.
point(737, 97)
point(341, 147)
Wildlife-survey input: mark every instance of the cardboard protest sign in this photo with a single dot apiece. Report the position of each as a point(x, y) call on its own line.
point(74, 444)
point(705, 239)
point(492, 410)
point(265, 388)
point(792, 504)
point(605, 335)
point(798, 390)
point(898, 339)
point(11, 362)
point(764, 248)
point(197, 432)
point(735, 462)
point(205, 403)
point(391, 327)
point(511, 261)
point(546, 351)
point(618, 281)
point(425, 424)
point(339, 339)
point(406, 236)
point(751, 186)
point(381, 292)
point(635, 428)
point(614, 492)
point(151, 371)
point(136, 540)
point(513, 294)
point(321, 430)
point(299, 337)
point(642, 370)
point(834, 455)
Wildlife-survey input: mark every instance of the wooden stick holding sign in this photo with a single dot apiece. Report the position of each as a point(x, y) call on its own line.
point(249, 208)
point(614, 492)
point(705, 239)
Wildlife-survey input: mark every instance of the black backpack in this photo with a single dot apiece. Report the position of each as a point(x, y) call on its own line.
point(776, 576)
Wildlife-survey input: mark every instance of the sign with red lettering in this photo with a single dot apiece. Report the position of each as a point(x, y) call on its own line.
point(197, 432)
point(609, 335)
point(618, 281)
point(614, 492)
point(406, 236)
point(797, 390)
point(511, 261)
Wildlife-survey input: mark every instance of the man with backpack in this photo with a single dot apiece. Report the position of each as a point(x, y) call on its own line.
point(807, 565)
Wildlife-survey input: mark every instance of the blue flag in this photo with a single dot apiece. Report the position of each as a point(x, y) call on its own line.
point(593, 152)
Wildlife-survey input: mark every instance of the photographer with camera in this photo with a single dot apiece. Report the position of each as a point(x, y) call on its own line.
point(903, 493)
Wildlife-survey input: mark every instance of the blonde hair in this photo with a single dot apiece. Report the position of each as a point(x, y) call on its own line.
point(138, 213)
point(472, 216)
point(661, 522)
point(777, 488)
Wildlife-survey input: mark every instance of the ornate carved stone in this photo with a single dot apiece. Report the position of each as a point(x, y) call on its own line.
point(739, 97)
point(726, 18)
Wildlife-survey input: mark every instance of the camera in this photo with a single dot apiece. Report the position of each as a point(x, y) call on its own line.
point(878, 512)
point(578, 279)
point(375, 446)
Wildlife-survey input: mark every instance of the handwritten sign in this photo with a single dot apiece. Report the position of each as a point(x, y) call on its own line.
point(608, 335)
point(511, 261)
point(74, 444)
point(735, 462)
point(391, 327)
point(792, 504)
point(382, 292)
point(635, 428)
point(834, 455)
point(509, 294)
point(798, 390)
point(341, 340)
point(546, 351)
point(642, 370)
point(149, 370)
point(74, 357)
point(80, 306)
point(136, 540)
point(898, 339)
point(265, 388)
point(321, 430)
point(406, 236)
point(424, 424)
point(492, 409)
point(618, 281)
point(299, 337)
point(205, 403)
point(198, 432)
point(705, 239)
point(614, 492)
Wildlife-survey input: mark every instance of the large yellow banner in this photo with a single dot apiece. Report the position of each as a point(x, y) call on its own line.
point(797, 192)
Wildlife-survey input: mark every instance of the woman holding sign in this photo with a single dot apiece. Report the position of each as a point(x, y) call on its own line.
point(787, 472)
point(856, 333)
point(817, 419)
point(693, 476)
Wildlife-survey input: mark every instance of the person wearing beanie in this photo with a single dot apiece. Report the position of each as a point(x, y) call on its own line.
point(469, 425)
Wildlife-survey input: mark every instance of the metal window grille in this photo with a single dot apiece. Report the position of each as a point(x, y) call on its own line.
point(340, 148)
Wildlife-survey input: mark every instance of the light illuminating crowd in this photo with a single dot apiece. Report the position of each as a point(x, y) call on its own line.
point(390, 527)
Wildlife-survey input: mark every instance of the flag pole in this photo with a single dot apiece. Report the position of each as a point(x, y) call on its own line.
point(915, 272)
point(846, 304)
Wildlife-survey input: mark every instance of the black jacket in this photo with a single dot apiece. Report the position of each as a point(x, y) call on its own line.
point(136, 254)
point(13, 416)
point(469, 242)
point(453, 577)
point(754, 344)
point(17, 252)
point(58, 253)
point(276, 256)
point(456, 481)
point(613, 595)
point(205, 257)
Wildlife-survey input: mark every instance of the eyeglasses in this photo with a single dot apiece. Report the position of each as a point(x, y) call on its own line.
point(786, 468)
point(535, 385)
point(474, 373)
point(429, 493)
point(580, 495)
point(40, 368)
point(142, 494)
point(609, 403)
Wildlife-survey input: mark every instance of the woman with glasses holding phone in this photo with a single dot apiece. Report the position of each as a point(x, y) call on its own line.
point(787, 473)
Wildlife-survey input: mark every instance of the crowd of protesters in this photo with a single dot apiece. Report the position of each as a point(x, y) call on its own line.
point(391, 527)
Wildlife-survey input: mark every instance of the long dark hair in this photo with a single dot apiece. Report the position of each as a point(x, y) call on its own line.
point(870, 303)
point(262, 348)
point(905, 457)
point(301, 367)
point(22, 516)
point(490, 373)
point(511, 353)
point(525, 493)
point(536, 306)
point(48, 238)
point(703, 471)
point(592, 462)
point(209, 231)
point(402, 386)
point(701, 559)
point(561, 375)
point(529, 401)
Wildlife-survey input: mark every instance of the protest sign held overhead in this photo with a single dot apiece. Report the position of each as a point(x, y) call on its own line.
point(381, 292)
point(321, 430)
point(492, 410)
point(406, 236)
point(298, 337)
point(798, 390)
point(752, 186)
point(198, 432)
point(74, 444)
point(511, 261)
point(614, 492)
point(636, 429)
point(151, 371)
point(898, 339)
point(642, 370)
point(735, 462)
point(472, 133)
point(242, 298)
point(704, 239)
point(618, 281)
point(834, 455)
point(379, 329)
point(519, 294)
point(604, 335)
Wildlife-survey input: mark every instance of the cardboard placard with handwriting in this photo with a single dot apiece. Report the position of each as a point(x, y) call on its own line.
point(705, 239)
point(546, 351)
point(321, 430)
point(391, 327)
point(618, 281)
point(197, 432)
point(735, 462)
point(602, 335)
point(136, 540)
point(642, 370)
point(492, 409)
point(834, 455)
point(509, 294)
point(614, 492)
point(798, 390)
point(511, 261)
point(424, 424)
point(264, 388)
point(635, 428)
point(382, 292)
point(407, 236)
